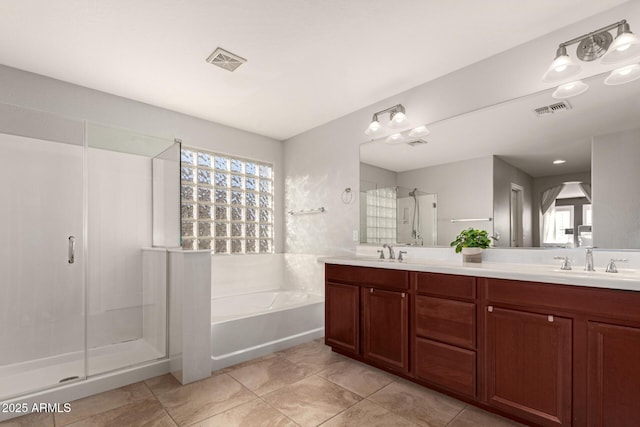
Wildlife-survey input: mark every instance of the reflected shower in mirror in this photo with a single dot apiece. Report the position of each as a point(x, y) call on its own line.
point(397, 215)
point(493, 165)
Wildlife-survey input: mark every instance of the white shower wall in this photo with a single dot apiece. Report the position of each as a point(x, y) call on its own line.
point(120, 223)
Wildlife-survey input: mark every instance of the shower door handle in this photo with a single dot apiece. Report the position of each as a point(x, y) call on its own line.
point(72, 249)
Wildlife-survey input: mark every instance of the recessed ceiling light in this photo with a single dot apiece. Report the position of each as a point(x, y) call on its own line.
point(559, 162)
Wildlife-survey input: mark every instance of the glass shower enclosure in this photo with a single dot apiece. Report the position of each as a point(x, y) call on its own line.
point(77, 296)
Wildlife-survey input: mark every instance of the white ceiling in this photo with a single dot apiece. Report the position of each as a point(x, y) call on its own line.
point(309, 62)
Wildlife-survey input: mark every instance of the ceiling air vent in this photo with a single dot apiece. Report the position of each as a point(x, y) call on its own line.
point(225, 59)
point(415, 142)
point(553, 108)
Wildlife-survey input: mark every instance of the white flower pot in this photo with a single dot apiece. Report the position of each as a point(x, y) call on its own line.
point(471, 254)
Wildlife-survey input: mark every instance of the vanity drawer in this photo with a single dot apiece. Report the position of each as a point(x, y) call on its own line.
point(447, 366)
point(449, 321)
point(548, 298)
point(368, 276)
point(446, 285)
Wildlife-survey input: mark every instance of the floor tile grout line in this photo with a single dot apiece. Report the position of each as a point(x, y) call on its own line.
point(55, 423)
point(457, 415)
point(169, 415)
point(404, 417)
point(278, 411)
point(344, 410)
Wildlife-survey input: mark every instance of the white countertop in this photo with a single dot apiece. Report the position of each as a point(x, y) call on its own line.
point(625, 279)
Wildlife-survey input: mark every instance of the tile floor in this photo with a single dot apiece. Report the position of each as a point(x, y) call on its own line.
point(307, 385)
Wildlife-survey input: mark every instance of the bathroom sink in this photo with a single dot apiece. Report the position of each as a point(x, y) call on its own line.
point(621, 274)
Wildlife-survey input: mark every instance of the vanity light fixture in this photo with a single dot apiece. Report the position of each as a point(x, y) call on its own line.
point(568, 90)
point(561, 68)
point(624, 47)
point(559, 162)
point(397, 120)
point(591, 46)
point(623, 75)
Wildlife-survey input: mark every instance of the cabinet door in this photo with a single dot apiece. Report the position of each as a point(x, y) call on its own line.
point(613, 380)
point(342, 317)
point(529, 365)
point(386, 335)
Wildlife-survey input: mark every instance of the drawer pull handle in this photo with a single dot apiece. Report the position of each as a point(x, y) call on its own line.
point(550, 318)
point(370, 290)
point(490, 309)
point(403, 295)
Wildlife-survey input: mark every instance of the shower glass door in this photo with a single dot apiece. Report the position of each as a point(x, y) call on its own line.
point(42, 322)
point(126, 292)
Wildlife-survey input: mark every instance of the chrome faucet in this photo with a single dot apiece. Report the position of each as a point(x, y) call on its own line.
point(391, 254)
point(611, 267)
point(588, 265)
point(566, 262)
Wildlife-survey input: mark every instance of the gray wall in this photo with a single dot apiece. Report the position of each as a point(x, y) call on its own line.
point(464, 190)
point(616, 177)
point(375, 177)
point(504, 174)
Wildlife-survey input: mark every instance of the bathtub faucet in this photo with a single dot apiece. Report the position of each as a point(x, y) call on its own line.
point(391, 254)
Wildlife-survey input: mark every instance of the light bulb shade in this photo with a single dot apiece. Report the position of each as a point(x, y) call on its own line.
point(623, 75)
point(625, 47)
point(570, 89)
point(395, 138)
point(398, 120)
point(419, 131)
point(374, 129)
point(561, 68)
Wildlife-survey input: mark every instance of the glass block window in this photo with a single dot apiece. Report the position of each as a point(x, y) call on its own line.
point(226, 203)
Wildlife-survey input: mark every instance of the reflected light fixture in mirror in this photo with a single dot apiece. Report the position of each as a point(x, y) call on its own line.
point(623, 75)
point(419, 132)
point(568, 90)
point(397, 120)
point(395, 138)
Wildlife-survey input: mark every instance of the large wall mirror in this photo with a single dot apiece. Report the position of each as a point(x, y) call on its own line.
point(534, 171)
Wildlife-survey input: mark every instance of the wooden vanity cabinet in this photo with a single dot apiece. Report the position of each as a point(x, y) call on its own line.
point(613, 382)
point(528, 352)
point(529, 361)
point(445, 331)
point(367, 314)
point(561, 355)
point(545, 354)
point(386, 328)
point(342, 317)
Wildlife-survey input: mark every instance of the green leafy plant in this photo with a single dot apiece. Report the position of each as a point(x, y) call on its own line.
point(471, 238)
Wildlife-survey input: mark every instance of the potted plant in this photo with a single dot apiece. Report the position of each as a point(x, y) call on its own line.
point(471, 242)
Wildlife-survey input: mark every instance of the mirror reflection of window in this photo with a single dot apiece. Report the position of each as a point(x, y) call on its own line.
point(558, 221)
point(586, 215)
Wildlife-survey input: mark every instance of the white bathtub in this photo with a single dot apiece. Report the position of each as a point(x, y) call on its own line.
point(251, 325)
